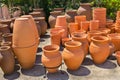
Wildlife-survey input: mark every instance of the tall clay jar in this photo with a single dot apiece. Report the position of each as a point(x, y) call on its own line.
point(79, 19)
point(81, 37)
point(52, 18)
point(51, 58)
point(8, 62)
point(99, 49)
point(73, 55)
point(70, 14)
point(94, 25)
point(85, 9)
point(72, 27)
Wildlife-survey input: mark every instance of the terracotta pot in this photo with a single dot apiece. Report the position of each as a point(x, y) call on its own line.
point(115, 39)
point(51, 58)
point(85, 9)
point(58, 9)
point(94, 33)
point(33, 24)
point(106, 30)
point(4, 28)
point(42, 24)
point(73, 55)
point(117, 55)
point(52, 18)
point(5, 12)
point(94, 25)
point(26, 55)
point(112, 28)
point(64, 40)
point(117, 29)
point(8, 62)
point(6, 22)
point(12, 23)
point(7, 37)
point(36, 14)
point(109, 22)
point(85, 25)
point(42, 13)
point(70, 14)
point(118, 15)
point(79, 19)
point(117, 24)
point(99, 49)
point(55, 37)
point(61, 21)
point(72, 27)
point(81, 37)
point(100, 14)
point(23, 35)
point(38, 27)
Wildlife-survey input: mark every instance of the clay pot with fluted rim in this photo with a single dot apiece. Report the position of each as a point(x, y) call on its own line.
point(99, 49)
point(7, 63)
point(115, 39)
point(52, 18)
point(70, 14)
point(73, 55)
point(81, 37)
point(51, 58)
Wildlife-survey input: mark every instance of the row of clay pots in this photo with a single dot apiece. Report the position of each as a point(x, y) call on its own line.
point(25, 41)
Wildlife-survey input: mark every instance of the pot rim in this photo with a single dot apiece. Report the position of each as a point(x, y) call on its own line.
point(56, 48)
point(100, 38)
point(114, 35)
point(73, 44)
point(4, 48)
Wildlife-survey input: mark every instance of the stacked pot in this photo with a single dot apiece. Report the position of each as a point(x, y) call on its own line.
point(100, 14)
point(25, 41)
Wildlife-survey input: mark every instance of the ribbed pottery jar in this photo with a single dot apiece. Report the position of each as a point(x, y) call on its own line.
point(70, 14)
point(4, 28)
point(7, 37)
point(42, 23)
point(7, 63)
point(115, 39)
point(81, 37)
point(35, 31)
point(51, 58)
point(52, 18)
point(85, 9)
point(100, 14)
point(99, 49)
point(73, 55)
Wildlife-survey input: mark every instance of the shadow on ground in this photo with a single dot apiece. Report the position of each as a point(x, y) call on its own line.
point(82, 71)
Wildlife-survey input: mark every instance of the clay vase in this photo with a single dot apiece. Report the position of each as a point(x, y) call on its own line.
point(79, 19)
point(94, 25)
point(42, 13)
point(70, 14)
point(61, 21)
point(42, 24)
point(64, 40)
point(52, 18)
point(55, 37)
point(51, 58)
point(99, 49)
point(81, 37)
point(73, 55)
point(6, 22)
point(38, 27)
point(33, 24)
point(1, 57)
point(85, 9)
point(4, 28)
point(85, 25)
point(7, 37)
point(72, 27)
point(117, 55)
point(115, 39)
point(100, 14)
point(8, 62)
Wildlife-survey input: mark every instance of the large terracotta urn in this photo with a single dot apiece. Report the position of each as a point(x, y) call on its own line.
point(24, 42)
point(52, 18)
point(51, 58)
point(70, 14)
point(81, 37)
point(85, 9)
point(73, 55)
point(7, 63)
point(99, 49)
